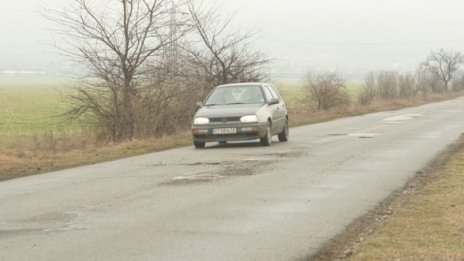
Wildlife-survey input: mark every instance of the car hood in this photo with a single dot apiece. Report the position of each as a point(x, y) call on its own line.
point(235, 110)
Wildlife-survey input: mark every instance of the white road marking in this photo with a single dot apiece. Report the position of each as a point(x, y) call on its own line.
point(402, 118)
point(198, 177)
point(363, 135)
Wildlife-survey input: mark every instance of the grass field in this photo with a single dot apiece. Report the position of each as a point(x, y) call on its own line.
point(32, 108)
point(294, 93)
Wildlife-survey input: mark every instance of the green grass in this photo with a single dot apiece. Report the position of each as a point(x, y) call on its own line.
point(293, 92)
point(32, 107)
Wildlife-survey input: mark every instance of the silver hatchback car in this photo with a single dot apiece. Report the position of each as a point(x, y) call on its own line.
point(241, 111)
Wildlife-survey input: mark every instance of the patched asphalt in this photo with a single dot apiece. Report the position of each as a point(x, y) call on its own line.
point(237, 201)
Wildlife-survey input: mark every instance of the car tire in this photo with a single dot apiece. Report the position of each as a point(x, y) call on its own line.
point(199, 145)
point(267, 139)
point(283, 136)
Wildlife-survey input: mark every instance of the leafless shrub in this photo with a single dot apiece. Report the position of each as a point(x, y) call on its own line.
point(369, 90)
point(406, 86)
point(326, 90)
point(427, 82)
point(443, 64)
point(387, 85)
point(119, 41)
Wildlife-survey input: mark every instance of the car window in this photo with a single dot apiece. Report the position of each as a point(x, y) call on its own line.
point(235, 95)
point(268, 94)
point(252, 95)
point(275, 94)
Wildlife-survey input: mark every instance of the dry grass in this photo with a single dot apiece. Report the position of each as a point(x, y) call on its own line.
point(34, 139)
point(301, 114)
point(41, 156)
point(429, 226)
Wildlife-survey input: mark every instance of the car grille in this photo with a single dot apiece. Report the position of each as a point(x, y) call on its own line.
point(225, 119)
point(237, 135)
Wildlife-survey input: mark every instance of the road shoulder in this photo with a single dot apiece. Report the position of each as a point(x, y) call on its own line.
point(396, 227)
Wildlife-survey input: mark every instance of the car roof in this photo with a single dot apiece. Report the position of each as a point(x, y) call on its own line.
point(243, 84)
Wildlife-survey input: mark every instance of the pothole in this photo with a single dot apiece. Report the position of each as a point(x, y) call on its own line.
point(50, 218)
point(337, 134)
point(204, 163)
point(8, 233)
point(43, 223)
point(226, 169)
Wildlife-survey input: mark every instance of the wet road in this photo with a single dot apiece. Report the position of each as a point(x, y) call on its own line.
point(233, 202)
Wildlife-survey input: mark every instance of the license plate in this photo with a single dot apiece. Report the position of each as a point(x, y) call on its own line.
point(225, 131)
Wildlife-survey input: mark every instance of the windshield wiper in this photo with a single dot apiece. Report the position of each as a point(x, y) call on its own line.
point(233, 103)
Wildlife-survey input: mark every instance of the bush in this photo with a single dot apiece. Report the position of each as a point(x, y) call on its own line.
point(369, 90)
point(406, 86)
point(326, 90)
point(387, 84)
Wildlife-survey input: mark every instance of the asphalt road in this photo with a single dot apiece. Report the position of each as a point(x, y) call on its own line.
point(233, 202)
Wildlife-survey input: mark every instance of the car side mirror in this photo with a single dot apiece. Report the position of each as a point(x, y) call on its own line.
point(274, 101)
point(199, 104)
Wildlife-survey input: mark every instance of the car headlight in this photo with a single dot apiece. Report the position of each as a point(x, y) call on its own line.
point(200, 121)
point(249, 118)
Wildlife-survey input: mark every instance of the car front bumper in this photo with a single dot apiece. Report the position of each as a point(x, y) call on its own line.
point(243, 131)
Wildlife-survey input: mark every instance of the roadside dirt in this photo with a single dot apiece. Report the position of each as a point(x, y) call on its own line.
point(345, 244)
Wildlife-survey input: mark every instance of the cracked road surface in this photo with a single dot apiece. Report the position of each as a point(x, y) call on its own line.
point(232, 202)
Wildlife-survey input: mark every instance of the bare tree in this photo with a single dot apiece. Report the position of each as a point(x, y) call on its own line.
point(443, 64)
point(119, 41)
point(326, 90)
point(387, 84)
point(220, 54)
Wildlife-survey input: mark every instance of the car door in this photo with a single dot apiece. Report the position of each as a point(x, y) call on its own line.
point(271, 108)
point(281, 112)
point(274, 110)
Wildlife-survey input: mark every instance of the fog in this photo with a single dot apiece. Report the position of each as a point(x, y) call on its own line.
point(301, 35)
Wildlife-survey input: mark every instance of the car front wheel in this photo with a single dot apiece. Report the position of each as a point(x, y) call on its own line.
point(199, 145)
point(283, 136)
point(267, 139)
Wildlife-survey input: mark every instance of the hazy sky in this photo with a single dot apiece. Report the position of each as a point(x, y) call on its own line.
point(301, 35)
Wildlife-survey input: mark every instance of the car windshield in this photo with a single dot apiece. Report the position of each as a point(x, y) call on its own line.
point(235, 95)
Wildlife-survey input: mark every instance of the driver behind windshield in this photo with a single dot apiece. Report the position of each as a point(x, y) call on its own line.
point(253, 96)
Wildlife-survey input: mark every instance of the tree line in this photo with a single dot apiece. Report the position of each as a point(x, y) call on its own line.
point(438, 73)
